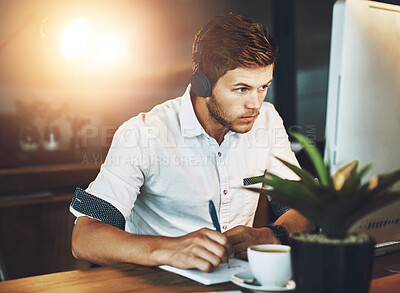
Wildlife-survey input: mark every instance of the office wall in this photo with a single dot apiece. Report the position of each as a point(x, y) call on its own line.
point(313, 32)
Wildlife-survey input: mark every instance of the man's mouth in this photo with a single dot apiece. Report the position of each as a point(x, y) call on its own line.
point(249, 118)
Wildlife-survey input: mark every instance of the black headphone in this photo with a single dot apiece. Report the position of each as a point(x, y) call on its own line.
point(201, 85)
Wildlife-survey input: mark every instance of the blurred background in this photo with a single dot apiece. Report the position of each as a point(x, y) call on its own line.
point(136, 54)
point(72, 71)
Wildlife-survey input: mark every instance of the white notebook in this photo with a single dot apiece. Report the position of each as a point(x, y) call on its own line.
point(221, 274)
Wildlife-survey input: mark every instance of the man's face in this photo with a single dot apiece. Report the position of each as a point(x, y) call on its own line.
point(237, 97)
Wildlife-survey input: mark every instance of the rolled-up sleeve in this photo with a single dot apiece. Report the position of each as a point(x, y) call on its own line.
point(112, 195)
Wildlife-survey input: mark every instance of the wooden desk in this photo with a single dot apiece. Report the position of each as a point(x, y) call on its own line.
point(134, 278)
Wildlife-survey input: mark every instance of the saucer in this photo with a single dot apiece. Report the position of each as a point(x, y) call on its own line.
point(244, 280)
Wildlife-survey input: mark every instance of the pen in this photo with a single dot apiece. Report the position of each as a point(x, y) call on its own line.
point(214, 218)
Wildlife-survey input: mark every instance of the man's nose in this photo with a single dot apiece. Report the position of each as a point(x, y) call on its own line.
point(253, 101)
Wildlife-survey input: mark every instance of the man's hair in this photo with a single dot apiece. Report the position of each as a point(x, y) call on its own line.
point(234, 41)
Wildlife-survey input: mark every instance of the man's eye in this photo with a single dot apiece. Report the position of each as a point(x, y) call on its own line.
point(262, 88)
point(241, 90)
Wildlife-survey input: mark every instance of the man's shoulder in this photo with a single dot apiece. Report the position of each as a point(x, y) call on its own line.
point(166, 113)
point(267, 115)
point(162, 119)
point(267, 107)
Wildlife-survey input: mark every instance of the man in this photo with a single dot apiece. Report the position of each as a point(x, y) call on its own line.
point(149, 204)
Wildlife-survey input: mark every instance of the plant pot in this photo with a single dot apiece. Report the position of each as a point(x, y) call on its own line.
point(332, 265)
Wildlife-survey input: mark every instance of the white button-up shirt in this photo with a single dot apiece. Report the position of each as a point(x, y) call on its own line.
point(163, 168)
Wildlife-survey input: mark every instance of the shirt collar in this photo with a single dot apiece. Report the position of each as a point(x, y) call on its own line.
point(190, 125)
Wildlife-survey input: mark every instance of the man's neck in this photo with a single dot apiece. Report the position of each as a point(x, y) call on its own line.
point(210, 125)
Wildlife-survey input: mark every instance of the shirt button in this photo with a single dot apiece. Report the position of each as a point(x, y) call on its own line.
point(225, 191)
point(224, 227)
point(219, 154)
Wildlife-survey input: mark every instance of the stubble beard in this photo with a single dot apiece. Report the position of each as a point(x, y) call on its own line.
point(219, 115)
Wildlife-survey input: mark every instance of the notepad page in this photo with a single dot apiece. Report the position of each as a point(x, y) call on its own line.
point(221, 274)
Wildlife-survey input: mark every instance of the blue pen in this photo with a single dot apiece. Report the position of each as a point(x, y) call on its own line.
point(213, 214)
point(214, 218)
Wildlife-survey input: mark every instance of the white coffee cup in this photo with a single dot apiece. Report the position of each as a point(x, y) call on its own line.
point(270, 264)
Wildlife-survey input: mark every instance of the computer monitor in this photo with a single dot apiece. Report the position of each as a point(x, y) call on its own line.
point(363, 109)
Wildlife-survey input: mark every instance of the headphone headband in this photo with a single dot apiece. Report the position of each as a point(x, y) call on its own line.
point(201, 85)
point(197, 54)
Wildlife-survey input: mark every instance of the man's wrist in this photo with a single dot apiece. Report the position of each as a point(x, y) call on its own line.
point(280, 233)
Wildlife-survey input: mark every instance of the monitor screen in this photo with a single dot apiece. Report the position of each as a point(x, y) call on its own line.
point(363, 109)
point(363, 112)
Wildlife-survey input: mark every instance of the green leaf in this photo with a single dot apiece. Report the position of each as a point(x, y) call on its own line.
point(292, 188)
point(313, 153)
point(383, 182)
point(352, 182)
point(313, 185)
point(343, 173)
point(352, 185)
point(364, 170)
point(311, 211)
point(305, 176)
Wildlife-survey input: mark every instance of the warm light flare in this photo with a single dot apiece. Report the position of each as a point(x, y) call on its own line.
point(111, 50)
point(75, 38)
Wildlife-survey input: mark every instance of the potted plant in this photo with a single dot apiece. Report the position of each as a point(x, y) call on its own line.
point(331, 260)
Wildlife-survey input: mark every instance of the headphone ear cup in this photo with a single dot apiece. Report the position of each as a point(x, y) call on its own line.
point(201, 85)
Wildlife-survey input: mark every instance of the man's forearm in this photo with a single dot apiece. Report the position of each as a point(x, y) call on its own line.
point(295, 222)
point(103, 244)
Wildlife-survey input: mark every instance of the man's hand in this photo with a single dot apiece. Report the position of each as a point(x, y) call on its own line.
point(100, 243)
point(241, 237)
point(203, 249)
